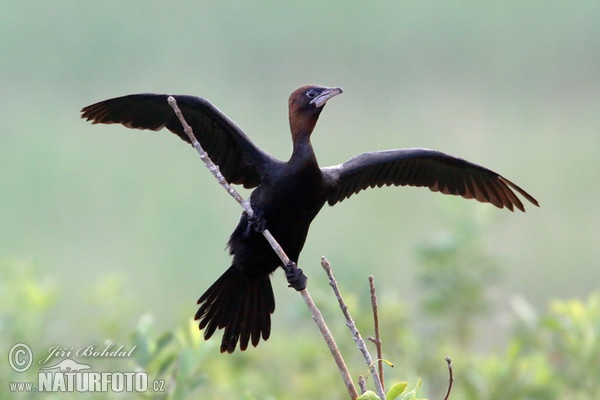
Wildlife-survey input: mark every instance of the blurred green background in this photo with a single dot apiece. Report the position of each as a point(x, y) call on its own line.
point(512, 85)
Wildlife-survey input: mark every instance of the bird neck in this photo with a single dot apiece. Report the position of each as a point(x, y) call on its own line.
point(302, 125)
point(303, 150)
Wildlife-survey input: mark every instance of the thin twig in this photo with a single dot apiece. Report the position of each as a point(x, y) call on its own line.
point(450, 378)
point(377, 339)
point(360, 343)
point(314, 311)
point(362, 383)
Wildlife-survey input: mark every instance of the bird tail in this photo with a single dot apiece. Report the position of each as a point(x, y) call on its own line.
point(240, 304)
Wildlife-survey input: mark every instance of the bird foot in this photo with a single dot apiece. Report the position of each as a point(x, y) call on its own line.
point(295, 276)
point(258, 222)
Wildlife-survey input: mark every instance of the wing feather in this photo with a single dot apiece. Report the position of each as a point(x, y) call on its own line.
point(438, 171)
point(239, 160)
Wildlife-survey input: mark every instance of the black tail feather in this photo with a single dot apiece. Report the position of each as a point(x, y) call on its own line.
point(241, 305)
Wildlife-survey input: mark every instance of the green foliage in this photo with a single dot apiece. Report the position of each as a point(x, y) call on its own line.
point(176, 358)
point(573, 343)
point(412, 394)
point(455, 271)
point(554, 357)
point(24, 300)
point(545, 358)
point(396, 392)
point(550, 356)
point(369, 395)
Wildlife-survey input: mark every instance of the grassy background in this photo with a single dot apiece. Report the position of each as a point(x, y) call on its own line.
point(511, 85)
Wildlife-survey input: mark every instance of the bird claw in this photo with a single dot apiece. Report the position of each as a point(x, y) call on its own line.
point(295, 276)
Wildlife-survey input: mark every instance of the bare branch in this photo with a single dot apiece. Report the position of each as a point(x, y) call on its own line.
point(315, 313)
point(360, 343)
point(450, 378)
point(377, 339)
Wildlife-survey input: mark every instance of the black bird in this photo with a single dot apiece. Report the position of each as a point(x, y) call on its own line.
point(289, 194)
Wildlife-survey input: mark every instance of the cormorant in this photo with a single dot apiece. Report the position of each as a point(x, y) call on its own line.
point(288, 194)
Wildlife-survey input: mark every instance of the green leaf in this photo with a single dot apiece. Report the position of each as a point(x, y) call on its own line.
point(396, 390)
point(412, 395)
point(368, 395)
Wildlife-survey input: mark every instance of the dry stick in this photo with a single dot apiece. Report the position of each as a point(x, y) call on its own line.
point(450, 378)
point(360, 343)
point(362, 383)
point(377, 339)
point(314, 311)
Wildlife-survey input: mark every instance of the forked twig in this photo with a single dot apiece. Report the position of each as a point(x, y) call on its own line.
point(314, 311)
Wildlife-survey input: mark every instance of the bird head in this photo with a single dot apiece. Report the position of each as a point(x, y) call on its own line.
point(305, 106)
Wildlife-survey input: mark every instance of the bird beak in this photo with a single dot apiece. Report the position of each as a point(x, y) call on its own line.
point(325, 95)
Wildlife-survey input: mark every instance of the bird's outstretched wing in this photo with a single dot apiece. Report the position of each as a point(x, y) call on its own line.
point(239, 160)
point(438, 171)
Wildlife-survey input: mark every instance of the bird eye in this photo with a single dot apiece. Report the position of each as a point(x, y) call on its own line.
point(311, 94)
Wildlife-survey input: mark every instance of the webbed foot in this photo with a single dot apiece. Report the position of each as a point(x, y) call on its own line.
point(295, 276)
